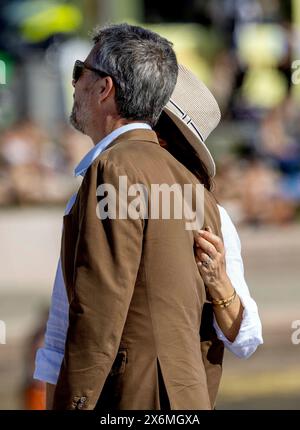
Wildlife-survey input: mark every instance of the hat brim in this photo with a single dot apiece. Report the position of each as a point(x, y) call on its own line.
point(193, 136)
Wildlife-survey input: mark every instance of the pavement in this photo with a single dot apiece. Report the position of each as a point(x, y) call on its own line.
point(270, 379)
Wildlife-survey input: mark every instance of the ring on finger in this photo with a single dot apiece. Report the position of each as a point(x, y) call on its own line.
point(207, 262)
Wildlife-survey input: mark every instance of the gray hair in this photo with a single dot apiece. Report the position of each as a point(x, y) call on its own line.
point(143, 66)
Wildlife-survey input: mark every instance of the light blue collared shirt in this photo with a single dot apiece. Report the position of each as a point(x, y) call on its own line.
point(50, 356)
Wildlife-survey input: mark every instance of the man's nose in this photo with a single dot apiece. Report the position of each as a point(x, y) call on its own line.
point(73, 83)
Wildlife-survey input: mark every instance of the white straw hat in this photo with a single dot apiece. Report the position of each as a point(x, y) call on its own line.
point(195, 112)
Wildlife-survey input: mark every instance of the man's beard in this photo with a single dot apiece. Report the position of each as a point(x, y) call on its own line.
point(78, 125)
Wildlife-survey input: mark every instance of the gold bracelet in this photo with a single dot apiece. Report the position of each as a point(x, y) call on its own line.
point(220, 301)
point(224, 303)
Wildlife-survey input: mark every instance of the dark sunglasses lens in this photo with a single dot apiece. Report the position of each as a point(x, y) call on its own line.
point(77, 71)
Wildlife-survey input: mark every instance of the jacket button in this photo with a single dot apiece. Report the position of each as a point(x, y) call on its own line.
point(81, 402)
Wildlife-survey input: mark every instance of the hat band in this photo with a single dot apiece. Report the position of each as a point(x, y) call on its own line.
point(186, 119)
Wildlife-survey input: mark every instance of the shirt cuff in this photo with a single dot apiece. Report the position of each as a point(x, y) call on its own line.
point(249, 336)
point(47, 365)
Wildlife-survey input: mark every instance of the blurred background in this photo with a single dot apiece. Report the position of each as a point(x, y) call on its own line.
point(246, 52)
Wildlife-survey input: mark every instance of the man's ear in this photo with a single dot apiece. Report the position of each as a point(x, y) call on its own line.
point(105, 88)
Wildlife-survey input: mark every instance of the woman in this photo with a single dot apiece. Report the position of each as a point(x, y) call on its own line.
point(182, 128)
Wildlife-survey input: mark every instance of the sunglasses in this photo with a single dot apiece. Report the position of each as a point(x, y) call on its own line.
point(79, 67)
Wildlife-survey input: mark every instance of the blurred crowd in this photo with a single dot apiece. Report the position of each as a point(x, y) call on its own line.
point(36, 168)
point(258, 179)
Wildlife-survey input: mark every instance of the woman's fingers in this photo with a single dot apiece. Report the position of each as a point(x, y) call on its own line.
point(210, 258)
point(206, 246)
point(205, 261)
point(210, 238)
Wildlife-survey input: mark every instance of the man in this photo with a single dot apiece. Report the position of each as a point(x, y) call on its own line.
point(134, 289)
point(239, 332)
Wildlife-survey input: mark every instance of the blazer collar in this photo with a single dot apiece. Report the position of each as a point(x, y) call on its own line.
point(139, 135)
point(132, 131)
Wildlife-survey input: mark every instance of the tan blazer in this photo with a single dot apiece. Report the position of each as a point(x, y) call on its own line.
point(137, 300)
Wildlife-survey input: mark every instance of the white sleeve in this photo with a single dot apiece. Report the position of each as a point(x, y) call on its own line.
point(49, 358)
point(250, 333)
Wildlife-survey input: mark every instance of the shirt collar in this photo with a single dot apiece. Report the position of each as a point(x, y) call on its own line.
point(88, 159)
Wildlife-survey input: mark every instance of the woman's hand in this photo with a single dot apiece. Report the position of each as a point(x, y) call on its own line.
point(210, 257)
